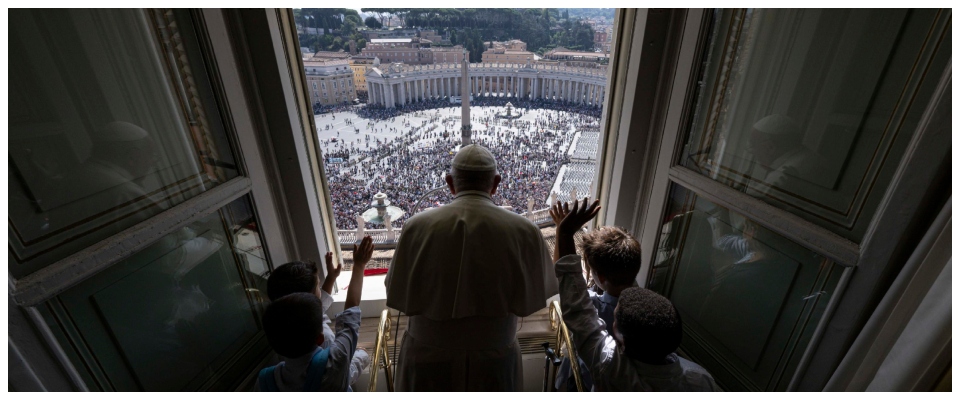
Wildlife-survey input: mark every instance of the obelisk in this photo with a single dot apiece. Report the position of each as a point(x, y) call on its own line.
point(465, 101)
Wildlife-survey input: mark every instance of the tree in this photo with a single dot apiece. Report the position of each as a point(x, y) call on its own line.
point(298, 17)
point(349, 27)
point(540, 28)
point(382, 14)
point(337, 44)
point(372, 23)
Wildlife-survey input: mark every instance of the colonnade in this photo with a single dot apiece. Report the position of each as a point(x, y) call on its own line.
point(392, 90)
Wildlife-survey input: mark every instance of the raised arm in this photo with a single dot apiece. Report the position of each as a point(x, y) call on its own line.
point(332, 273)
point(338, 374)
point(569, 221)
point(361, 256)
point(590, 337)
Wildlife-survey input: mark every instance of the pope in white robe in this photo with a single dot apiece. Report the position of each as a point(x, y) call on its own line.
point(464, 273)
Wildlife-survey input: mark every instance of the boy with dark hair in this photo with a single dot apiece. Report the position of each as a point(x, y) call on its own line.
point(304, 277)
point(294, 325)
point(637, 353)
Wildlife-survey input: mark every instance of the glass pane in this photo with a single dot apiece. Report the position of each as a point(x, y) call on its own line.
point(175, 314)
point(749, 298)
point(112, 120)
point(811, 110)
point(248, 247)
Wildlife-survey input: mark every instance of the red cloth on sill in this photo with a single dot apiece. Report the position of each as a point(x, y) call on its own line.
point(375, 271)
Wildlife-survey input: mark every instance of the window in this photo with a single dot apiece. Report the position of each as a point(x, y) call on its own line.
point(194, 293)
point(797, 121)
point(708, 259)
point(95, 148)
point(134, 234)
point(806, 118)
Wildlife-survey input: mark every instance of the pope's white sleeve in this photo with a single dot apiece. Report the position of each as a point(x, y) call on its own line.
point(393, 262)
point(551, 285)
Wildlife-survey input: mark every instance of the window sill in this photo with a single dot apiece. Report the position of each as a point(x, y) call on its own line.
point(372, 301)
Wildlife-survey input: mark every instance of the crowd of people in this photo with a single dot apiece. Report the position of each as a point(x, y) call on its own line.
point(530, 153)
point(379, 112)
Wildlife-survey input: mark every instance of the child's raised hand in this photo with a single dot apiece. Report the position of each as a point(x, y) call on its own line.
point(332, 272)
point(557, 213)
point(364, 252)
point(573, 218)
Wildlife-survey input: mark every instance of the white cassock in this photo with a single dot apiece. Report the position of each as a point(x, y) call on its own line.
point(464, 272)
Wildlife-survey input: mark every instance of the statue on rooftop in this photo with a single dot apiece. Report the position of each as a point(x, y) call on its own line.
point(360, 225)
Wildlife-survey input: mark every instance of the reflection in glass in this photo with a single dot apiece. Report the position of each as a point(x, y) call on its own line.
point(248, 246)
point(748, 297)
point(810, 110)
point(168, 317)
point(110, 124)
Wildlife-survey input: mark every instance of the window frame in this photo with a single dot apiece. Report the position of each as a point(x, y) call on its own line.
point(235, 93)
point(658, 141)
point(50, 281)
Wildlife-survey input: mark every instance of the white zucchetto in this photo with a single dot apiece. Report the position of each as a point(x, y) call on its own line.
point(474, 157)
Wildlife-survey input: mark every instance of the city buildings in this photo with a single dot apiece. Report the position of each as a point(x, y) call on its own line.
point(600, 38)
point(411, 51)
point(428, 34)
point(441, 55)
point(326, 55)
point(360, 64)
point(405, 50)
point(330, 82)
point(512, 52)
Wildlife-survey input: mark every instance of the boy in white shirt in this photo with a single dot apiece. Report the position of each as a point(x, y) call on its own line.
point(639, 354)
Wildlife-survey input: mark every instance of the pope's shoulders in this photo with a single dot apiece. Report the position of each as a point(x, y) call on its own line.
point(491, 210)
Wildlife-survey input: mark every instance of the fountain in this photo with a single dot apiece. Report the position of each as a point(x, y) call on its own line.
point(381, 211)
point(509, 114)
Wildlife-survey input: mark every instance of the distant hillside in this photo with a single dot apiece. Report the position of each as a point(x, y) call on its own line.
point(541, 28)
point(591, 13)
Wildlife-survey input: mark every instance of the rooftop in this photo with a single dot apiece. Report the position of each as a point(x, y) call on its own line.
point(331, 54)
point(560, 51)
point(400, 40)
point(458, 48)
point(325, 63)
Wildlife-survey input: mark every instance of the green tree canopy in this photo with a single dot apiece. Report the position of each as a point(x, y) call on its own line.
point(372, 23)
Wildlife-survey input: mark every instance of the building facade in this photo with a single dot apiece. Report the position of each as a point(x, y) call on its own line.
point(511, 52)
point(443, 55)
point(360, 64)
point(330, 82)
point(398, 84)
point(428, 34)
point(573, 58)
point(600, 38)
point(405, 50)
point(411, 51)
point(327, 55)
